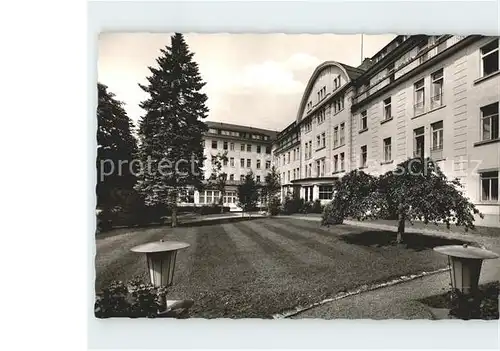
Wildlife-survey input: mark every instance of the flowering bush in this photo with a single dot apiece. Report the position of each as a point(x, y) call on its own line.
point(134, 299)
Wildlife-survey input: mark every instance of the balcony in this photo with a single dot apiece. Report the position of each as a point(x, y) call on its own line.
point(411, 63)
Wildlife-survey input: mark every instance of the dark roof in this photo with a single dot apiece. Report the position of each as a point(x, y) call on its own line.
point(353, 72)
point(240, 128)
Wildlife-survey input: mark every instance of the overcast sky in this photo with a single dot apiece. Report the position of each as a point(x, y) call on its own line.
point(252, 79)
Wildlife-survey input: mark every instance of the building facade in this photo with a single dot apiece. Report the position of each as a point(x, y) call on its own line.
point(246, 149)
point(434, 96)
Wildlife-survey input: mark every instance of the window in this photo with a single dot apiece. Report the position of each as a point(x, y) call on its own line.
point(437, 88)
point(284, 159)
point(242, 147)
point(258, 149)
point(288, 157)
point(437, 136)
point(489, 58)
point(335, 137)
point(335, 163)
point(307, 126)
point(387, 109)
point(268, 150)
point(283, 177)
point(419, 97)
point(418, 142)
point(249, 148)
point(294, 174)
point(307, 151)
point(242, 162)
point(323, 139)
point(489, 122)
point(224, 162)
point(231, 146)
point(322, 167)
point(268, 164)
point(225, 145)
point(294, 155)
point(258, 164)
point(249, 163)
point(318, 168)
point(336, 82)
point(257, 178)
point(364, 156)
point(231, 161)
point(363, 123)
point(489, 186)
point(242, 178)
point(342, 161)
point(212, 131)
point(214, 144)
point(318, 141)
point(310, 148)
point(321, 116)
point(342, 134)
point(387, 150)
point(325, 192)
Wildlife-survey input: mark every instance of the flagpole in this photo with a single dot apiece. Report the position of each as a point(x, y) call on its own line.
point(361, 48)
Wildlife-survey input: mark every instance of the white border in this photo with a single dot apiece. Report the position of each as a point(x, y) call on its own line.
point(460, 17)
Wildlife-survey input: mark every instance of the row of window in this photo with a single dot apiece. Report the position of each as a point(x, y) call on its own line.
point(243, 147)
point(242, 163)
point(242, 178)
point(239, 134)
point(295, 175)
point(213, 197)
point(287, 158)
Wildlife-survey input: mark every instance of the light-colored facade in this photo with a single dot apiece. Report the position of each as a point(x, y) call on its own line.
point(246, 148)
point(431, 95)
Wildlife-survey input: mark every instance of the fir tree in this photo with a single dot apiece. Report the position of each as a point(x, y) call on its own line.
point(116, 148)
point(172, 128)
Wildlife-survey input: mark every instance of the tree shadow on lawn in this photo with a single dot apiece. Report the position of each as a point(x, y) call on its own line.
point(412, 241)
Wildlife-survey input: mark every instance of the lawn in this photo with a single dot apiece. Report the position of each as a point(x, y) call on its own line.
point(261, 267)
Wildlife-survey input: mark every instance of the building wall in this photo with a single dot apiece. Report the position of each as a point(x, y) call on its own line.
point(464, 93)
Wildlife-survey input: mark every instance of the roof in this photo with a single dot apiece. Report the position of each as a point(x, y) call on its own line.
point(351, 72)
point(240, 128)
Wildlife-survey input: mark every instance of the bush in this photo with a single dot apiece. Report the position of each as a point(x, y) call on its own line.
point(274, 206)
point(316, 207)
point(292, 205)
point(332, 214)
point(135, 299)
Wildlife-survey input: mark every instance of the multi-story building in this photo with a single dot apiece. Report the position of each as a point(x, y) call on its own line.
point(434, 96)
point(246, 149)
point(287, 157)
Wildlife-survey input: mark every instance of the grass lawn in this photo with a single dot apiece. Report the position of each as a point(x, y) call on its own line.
point(260, 267)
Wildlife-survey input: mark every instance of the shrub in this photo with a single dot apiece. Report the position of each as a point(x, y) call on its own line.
point(135, 299)
point(332, 214)
point(274, 206)
point(317, 207)
point(292, 205)
point(306, 207)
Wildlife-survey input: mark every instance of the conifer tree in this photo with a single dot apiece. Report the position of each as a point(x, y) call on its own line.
point(172, 128)
point(116, 148)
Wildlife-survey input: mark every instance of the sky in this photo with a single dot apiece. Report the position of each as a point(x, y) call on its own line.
point(251, 79)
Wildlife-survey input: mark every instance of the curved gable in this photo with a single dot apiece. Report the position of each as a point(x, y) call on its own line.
point(323, 77)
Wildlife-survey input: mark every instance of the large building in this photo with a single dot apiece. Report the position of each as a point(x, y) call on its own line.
point(246, 149)
point(435, 96)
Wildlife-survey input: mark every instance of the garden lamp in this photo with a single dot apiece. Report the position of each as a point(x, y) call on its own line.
point(465, 262)
point(161, 256)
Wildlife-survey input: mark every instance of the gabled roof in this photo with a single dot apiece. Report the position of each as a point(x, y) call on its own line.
point(351, 73)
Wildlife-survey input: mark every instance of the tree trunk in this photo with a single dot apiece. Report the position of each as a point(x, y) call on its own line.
point(401, 228)
point(174, 216)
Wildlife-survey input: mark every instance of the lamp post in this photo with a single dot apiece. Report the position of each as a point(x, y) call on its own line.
point(465, 263)
point(161, 256)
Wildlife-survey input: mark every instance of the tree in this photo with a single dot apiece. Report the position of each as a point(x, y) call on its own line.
point(421, 191)
point(417, 189)
point(270, 190)
point(218, 178)
point(116, 148)
point(171, 131)
point(248, 195)
point(354, 195)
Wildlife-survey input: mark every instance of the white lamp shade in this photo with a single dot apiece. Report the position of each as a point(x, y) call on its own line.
point(465, 273)
point(161, 267)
